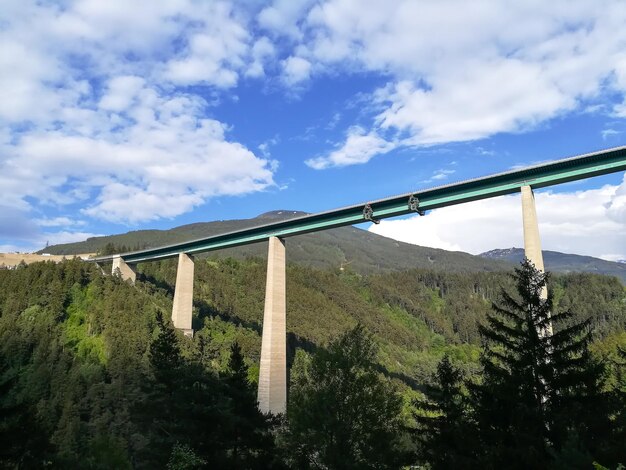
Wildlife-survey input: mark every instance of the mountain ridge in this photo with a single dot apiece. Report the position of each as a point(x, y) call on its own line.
point(340, 248)
point(562, 262)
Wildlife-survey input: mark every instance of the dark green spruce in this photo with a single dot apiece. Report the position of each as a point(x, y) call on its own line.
point(445, 431)
point(540, 402)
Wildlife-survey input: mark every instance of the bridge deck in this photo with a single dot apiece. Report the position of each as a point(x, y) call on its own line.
point(537, 176)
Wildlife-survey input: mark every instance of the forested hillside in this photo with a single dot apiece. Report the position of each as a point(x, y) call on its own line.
point(89, 366)
point(563, 262)
point(362, 251)
point(351, 247)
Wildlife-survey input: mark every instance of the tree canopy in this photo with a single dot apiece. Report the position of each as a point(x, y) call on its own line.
point(95, 373)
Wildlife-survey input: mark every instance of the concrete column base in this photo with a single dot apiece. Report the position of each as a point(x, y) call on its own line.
point(125, 271)
point(183, 295)
point(273, 369)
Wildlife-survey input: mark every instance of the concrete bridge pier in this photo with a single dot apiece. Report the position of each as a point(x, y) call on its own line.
point(126, 271)
point(272, 394)
point(532, 242)
point(183, 294)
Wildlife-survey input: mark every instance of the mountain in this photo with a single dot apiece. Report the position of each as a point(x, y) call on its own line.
point(345, 247)
point(342, 248)
point(563, 262)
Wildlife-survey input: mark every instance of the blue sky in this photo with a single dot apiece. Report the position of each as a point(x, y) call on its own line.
point(120, 116)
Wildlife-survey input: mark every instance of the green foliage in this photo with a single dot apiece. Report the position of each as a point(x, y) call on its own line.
point(341, 413)
point(541, 393)
point(89, 363)
point(445, 430)
point(77, 327)
point(184, 458)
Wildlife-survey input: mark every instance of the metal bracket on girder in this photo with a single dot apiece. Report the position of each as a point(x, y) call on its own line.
point(368, 214)
point(414, 205)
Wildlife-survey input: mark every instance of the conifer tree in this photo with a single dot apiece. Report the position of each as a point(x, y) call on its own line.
point(618, 450)
point(250, 443)
point(165, 359)
point(158, 411)
point(537, 389)
point(23, 444)
point(444, 430)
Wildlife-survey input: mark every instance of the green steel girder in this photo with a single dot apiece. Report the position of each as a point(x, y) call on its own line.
point(538, 176)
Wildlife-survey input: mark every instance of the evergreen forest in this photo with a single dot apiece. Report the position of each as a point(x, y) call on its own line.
point(411, 369)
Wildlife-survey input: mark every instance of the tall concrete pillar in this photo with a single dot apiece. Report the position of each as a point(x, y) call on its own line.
point(532, 242)
point(125, 270)
point(273, 371)
point(183, 295)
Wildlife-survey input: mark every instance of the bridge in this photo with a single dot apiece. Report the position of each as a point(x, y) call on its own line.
point(272, 393)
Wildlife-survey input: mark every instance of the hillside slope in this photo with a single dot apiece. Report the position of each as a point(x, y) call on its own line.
point(342, 248)
point(356, 249)
point(79, 342)
point(563, 262)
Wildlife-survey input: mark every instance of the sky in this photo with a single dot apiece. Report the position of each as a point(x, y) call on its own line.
point(119, 116)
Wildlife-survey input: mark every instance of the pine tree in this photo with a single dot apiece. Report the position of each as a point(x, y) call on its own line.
point(158, 412)
point(237, 368)
point(165, 358)
point(618, 443)
point(536, 386)
point(23, 444)
point(250, 443)
point(444, 430)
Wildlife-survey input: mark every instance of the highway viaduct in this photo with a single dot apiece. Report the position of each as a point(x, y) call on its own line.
point(272, 391)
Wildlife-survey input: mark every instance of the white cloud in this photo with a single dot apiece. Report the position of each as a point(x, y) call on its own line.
point(283, 16)
point(262, 52)
point(56, 238)
point(359, 147)
point(591, 222)
point(121, 91)
point(607, 133)
point(499, 67)
point(58, 222)
point(439, 175)
point(616, 206)
point(157, 158)
point(92, 116)
point(296, 70)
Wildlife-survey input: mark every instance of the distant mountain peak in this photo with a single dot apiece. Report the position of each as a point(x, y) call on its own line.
point(281, 214)
point(501, 253)
point(562, 262)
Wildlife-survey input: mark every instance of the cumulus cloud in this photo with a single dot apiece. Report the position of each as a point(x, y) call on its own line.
point(589, 222)
point(359, 147)
point(296, 70)
point(616, 206)
point(284, 17)
point(499, 67)
point(213, 54)
point(151, 156)
point(96, 111)
point(121, 91)
point(263, 51)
